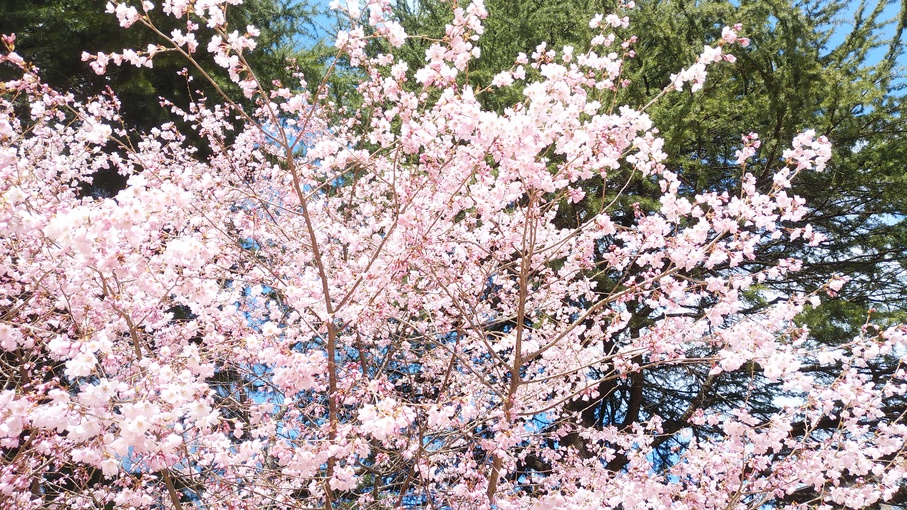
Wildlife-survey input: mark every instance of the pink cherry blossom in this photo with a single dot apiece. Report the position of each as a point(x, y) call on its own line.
point(382, 305)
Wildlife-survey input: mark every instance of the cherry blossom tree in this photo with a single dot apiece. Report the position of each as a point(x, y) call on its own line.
point(371, 306)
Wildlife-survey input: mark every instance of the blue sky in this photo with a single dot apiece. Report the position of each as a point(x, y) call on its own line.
point(891, 13)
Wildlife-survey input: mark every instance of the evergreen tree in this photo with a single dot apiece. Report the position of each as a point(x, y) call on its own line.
point(52, 34)
point(794, 75)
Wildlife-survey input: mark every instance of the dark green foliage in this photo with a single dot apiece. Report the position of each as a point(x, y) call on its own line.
point(53, 34)
point(793, 77)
